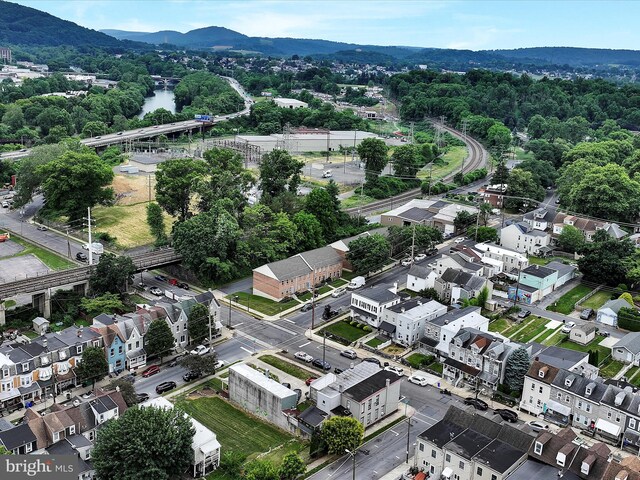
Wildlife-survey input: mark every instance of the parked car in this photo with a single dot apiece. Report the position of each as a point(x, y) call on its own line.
point(130, 377)
point(419, 380)
point(299, 393)
point(219, 364)
point(506, 414)
point(603, 333)
point(372, 360)
point(310, 380)
point(200, 350)
point(42, 228)
point(160, 278)
point(306, 307)
point(151, 370)
point(537, 427)
point(184, 286)
point(432, 251)
point(568, 326)
point(175, 361)
point(397, 370)
point(173, 281)
point(322, 364)
point(460, 239)
point(349, 354)
point(155, 291)
point(476, 403)
point(190, 375)
point(420, 256)
point(82, 257)
point(165, 387)
point(338, 370)
point(524, 313)
point(586, 313)
point(286, 384)
point(142, 397)
point(338, 292)
point(304, 356)
point(406, 262)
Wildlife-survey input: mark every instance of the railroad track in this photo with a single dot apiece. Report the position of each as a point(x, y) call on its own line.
point(476, 158)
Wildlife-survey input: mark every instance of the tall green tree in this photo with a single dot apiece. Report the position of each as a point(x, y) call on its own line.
point(320, 204)
point(125, 387)
point(74, 182)
point(94, 366)
point(482, 234)
point(292, 467)
point(501, 175)
point(373, 152)
point(405, 161)
point(521, 184)
point(463, 220)
point(606, 260)
point(368, 253)
point(108, 303)
point(571, 239)
point(164, 435)
point(159, 340)
point(543, 172)
point(260, 470)
point(342, 433)
point(198, 322)
point(113, 274)
point(516, 369)
point(279, 173)
point(176, 183)
point(202, 365)
point(155, 220)
point(309, 230)
point(484, 212)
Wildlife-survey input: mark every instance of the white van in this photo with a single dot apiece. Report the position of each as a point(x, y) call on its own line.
point(96, 248)
point(357, 282)
point(327, 174)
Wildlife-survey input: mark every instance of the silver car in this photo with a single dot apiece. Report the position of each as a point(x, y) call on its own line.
point(349, 354)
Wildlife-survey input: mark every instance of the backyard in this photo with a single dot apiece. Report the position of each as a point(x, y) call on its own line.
point(500, 325)
point(262, 304)
point(533, 328)
point(603, 352)
point(346, 331)
point(610, 368)
point(287, 367)
point(566, 303)
point(597, 300)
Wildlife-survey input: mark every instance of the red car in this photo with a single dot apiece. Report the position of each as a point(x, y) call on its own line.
point(309, 380)
point(173, 281)
point(152, 370)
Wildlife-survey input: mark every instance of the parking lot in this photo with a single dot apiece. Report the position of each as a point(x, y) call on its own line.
point(18, 268)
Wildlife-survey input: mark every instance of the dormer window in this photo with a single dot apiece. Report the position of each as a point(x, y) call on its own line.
point(5, 372)
point(62, 354)
point(538, 448)
point(44, 359)
point(560, 459)
point(79, 349)
point(569, 381)
point(25, 367)
point(584, 468)
point(541, 373)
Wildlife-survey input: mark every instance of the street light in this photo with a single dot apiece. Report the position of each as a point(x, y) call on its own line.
point(353, 457)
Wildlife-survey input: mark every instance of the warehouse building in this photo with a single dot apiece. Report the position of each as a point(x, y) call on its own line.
point(307, 140)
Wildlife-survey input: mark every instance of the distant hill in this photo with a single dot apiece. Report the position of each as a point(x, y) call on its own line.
point(200, 38)
point(20, 25)
point(574, 56)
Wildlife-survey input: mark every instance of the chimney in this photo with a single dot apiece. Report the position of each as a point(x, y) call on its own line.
point(340, 388)
point(44, 342)
point(387, 383)
point(266, 373)
point(537, 266)
point(79, 333)
point(394, 289)
point(537, 359)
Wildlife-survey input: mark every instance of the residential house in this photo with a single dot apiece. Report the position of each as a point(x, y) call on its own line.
point(627, 349)
point(405, 322)
point(477, 358)
point(523, 238)
point(439, 331)
point(608, 313)
point(132, 329)
point(511, 262)
point(464, 445)
point(297, 274)
point(367, 304)
point(457, 261)
point(565, 271)
point(18, 440)
point(540, 219)
point(583, 334)
point(205, 445)
point(587, 226)
point(420, 278)
point(536, 390)
point(177, 317)
point(114, 346)
point(537, 281)
point(455, 285)
point(493, 194)
point(434, 213)
point(364, 392)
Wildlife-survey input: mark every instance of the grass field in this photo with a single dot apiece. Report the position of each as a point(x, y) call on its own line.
point(287, 367)
point(262, 304)
point(534, 327)
point(127, 223)
point(51, 260)
point(603, 352)
point(522, 155)
point(500, 325)
point(357, 201)
point(452, 162)
point(338, 283)
point(610, 368)
point(566, 302)
point(633, 376)
point(597, 300)
point(374, 342)
point(239, 431)
point(417, 359)
point(345, 330)
point(529, 324)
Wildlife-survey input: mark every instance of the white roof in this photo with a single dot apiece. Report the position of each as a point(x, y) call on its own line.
point(415, 203)
point(289, 101)
point(259, 379)
point(610, 428)
point(266, 271)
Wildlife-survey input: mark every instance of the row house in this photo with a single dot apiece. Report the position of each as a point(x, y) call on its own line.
point(477, 358)
point(368, 304)
point(46, 366)
point(130, 335)
point(455, 285)
point(522, 238)
point(420, 278)
point(587, 226)
point(540, 219)
point(405, 322)
point(439, 331)
point(536, 282)
point(511, 262)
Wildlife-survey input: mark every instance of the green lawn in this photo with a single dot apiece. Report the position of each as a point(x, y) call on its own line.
point(30, 334)
point(547, 334)
point(499, 325)
point(436, 367)
point(567, 301)
point(356, 200)
point(338, 283)
point(451, 162)
point(416, 360)
point(597, 300)
point(307, 296)
point(528, 325)
point(610, 368)
point(553, 339)
point(346, 331)
point(603, 352)
point(261, 304)
point(287, 367)
point(533, 327)
point(375, 342)
point(238, 431)
point(51, 260)
point(633, 376)
point(324, 289)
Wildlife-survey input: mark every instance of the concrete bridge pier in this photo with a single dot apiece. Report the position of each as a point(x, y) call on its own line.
point(81, 289)
point(42, 301)
point(3, 318)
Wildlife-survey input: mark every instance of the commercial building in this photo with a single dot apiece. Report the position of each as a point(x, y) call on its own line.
point(289, 103)
point(434, 213)
point(5, 55)
point(308, 141)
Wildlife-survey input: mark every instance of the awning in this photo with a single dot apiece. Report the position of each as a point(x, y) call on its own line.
point(558, 408)
point(468, 369)
point(387, 327)
point(447, 472)
point(608, 427)
point(362, 313)
point(489, 378)
point(631, 437)
point(210, 446)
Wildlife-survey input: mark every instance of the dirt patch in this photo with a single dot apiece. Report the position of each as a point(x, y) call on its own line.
point(132, 189)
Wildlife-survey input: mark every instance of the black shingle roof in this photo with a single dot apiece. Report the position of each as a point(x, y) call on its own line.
point(371, 385)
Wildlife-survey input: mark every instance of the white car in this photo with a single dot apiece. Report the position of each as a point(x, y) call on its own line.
point(537, 426)
point(304, 356)
point(460, 239)
point(407, 262)
point(420, 256)
point(397, 370)
point(219, 364)
point(338, 292)
point(568, 326)
point(200, 350)
point(419, 380)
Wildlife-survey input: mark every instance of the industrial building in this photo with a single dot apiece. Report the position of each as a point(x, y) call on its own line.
point(307, 140)
point(5, 55)
point(290, 103)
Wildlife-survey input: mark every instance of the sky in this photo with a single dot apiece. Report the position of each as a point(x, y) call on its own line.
point(461, 24)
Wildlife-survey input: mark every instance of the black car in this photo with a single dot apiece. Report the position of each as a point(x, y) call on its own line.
point(299, 393)
point(586, 314)
point(161, 278)
point(477, 403)
point(190, 375)
point(285, 384)
point(165, 387)
point(506, 414)
point(319, 363)
point(142, 397)
point(338, 370)
point(306, 307)
point(182, 285)
point(82, 257)
point(372, 360)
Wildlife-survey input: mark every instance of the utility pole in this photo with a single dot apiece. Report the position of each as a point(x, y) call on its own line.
point(353, 152)
point(515, 297)
point(210, 322)
point(324, 346)
point(408, 437)
point(353, 457)
point(68, 244)
point(328, 144)
point(89, 224)
point(413, 242)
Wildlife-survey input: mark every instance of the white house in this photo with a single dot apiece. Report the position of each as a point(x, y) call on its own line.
point(627, 349)
point(205, 445)
point(511, 260)
point(608, 313)
point(447, 326)
point(406, 321)
point(420, 278)
point(540, 219)
point(522, 238)
point(367, 304)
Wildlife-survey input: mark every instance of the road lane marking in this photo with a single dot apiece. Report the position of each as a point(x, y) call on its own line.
point(290, 321)
point(304, 345)
point(246, 350)
point(393, 431)
point(238, 324)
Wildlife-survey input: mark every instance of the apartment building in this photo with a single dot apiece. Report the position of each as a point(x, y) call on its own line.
point(368, 304)
point(439, 331)
point(405, 322)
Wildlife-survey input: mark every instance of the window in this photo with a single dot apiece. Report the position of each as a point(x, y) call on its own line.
point(56, 436)
point(96, 343)
point(479, 471)
point(137, 344)
point(369, 417)
point(539, 403)
point(530, 399)
point(559, 395)
point(461, 465)
point(617, 418)
point(566, 398)
point(382, 411)
point(580, 404)
point(72, 429)
point(369, 405)
point(25, 367)
point(540, 390)
point(5, 372)
point(447, 458)
point(120, 350)
point(632, 423)
point(78, 349)
point(348, 404)
point(538, 448)
point(493, 477)
point(421, 447)
point(560, 458)
point(113, 352)
point(377, 400)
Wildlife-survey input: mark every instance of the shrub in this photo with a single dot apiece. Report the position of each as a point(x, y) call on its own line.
point(367, 328)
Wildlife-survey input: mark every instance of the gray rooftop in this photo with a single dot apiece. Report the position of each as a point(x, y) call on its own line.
point(631, 341)
point(298, 265)
point(416, 214)
point(454, 315)
point(379, 293)
point(538, 271)
point(561, 357)
point(615, 305)
point(419, 271)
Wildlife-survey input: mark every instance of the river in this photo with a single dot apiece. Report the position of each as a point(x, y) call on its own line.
point(161, 99)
